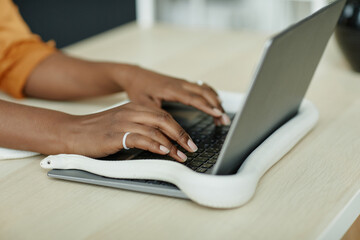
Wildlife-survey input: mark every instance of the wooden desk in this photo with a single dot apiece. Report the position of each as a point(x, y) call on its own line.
point(312, 193)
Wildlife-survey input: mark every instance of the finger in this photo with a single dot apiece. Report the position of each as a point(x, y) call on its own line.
point(136, 140)
point(201, 104)
point(212, 90)
point(158, 136)
point(195, 100)
point(166, 124)
point(225, 120)
point(215, 94)
point(150, 132)
point(217, 122)
point(206, 92)
point(211, 96)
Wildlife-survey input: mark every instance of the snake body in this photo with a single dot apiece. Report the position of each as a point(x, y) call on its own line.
point(215, 191)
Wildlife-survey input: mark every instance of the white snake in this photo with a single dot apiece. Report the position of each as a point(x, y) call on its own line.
point(210, 190)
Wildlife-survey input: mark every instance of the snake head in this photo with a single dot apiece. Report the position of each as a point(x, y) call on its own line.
point(46, 163)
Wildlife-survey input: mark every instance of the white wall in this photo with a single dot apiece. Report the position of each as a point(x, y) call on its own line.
point(261, 15)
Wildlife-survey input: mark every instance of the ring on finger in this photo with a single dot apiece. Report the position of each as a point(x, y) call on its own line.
point(124, 141)
point(200, 83)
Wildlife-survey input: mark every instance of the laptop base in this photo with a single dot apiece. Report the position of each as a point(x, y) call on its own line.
point(139, 186)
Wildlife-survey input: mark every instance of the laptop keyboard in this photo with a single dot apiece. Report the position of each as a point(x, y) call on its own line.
point(209, 139)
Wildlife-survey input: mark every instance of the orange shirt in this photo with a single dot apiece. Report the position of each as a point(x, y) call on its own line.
point(20, 50)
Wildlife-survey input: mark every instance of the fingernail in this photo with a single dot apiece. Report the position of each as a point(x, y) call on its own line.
point(164, 149)
point(192, 145)
point(226, 120)
point(181, 155)
point(217, 122)
point(217, 112)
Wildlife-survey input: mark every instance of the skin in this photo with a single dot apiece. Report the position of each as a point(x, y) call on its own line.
point(61, 77)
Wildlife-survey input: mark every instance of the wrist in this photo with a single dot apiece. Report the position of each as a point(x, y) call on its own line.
point(57, 130)
point(124, 75)
point(67, 133)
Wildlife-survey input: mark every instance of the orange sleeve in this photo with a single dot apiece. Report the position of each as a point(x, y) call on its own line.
point(20, 50)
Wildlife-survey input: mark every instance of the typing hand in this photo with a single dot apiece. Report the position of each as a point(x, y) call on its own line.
point(150, 128)
point(150, 89)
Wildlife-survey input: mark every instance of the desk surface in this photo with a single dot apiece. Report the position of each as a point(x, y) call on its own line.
point(313, 192)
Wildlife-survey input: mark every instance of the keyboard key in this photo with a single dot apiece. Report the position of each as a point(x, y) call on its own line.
point(200, 150)
point(212, 150)
point(207, 165)
point(201, 159)
point(192, 154)
point(212, 161)
point(193, 168)
point(207, 155)
point(195, 163)
point(201, 170)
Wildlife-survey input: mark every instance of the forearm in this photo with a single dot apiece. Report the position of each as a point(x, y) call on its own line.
point(33, 129)
point(94, 135)
point(61, 77)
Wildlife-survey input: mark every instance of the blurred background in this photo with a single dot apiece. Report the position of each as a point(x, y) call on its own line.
point(70, 21)
point(260, 15)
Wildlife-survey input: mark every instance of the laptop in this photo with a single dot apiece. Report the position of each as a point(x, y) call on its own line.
point(278, 88)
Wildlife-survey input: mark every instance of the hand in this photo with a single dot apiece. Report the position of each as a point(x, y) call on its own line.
point(150, 89)
point(150, 128)
point(60, 77)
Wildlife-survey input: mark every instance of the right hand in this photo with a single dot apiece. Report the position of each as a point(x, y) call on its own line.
point(151, 129)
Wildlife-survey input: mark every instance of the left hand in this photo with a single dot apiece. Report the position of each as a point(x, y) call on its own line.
point(150, 89)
